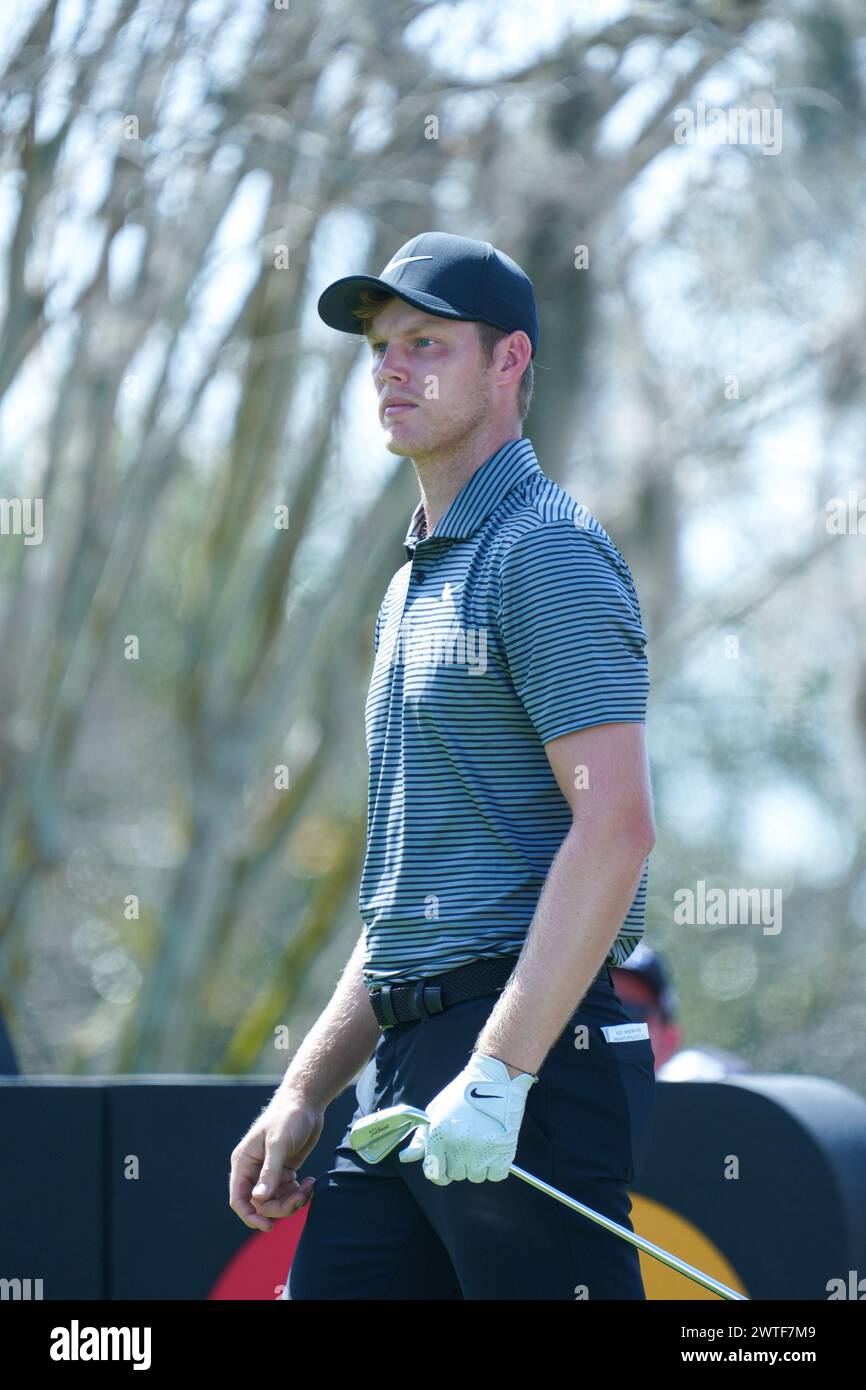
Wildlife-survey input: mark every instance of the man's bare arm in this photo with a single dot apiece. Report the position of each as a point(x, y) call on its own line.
point(340, 1042)
point(263, 1184)
point(589, 888)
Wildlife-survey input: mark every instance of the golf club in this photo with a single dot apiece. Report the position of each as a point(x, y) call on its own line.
point(375, 1136)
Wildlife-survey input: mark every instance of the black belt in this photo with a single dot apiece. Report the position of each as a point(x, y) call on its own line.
point(434, 994)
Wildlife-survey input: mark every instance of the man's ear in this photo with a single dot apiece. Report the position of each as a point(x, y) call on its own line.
point(517, 349)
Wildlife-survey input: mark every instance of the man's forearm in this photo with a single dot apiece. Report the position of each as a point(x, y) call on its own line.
point(588, 891)
point(340, 1042)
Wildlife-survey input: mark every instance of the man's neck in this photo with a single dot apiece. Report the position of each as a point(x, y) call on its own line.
point(441, 476)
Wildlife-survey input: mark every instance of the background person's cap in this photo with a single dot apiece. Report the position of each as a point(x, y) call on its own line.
point(646, 963)
point(455, 277)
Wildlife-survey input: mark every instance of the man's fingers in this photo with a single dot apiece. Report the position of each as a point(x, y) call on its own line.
point(260, 1214)
point(413, 1151)
point(277, 1192)
point(273, 1176)
point(287, 1200)
point(246, 1211)
point(244, 1172)
point(269, 1182)
point(435, 1160)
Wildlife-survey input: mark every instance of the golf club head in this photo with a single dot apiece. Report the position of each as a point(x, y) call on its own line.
point(375, 1136)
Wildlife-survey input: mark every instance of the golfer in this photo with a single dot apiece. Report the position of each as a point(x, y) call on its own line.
point(509, 825)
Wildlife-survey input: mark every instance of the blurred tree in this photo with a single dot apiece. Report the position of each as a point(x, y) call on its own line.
point(180, 182)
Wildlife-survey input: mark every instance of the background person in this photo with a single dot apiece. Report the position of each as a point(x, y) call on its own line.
point(643, 984)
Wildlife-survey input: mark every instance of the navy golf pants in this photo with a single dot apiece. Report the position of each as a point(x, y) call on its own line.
point(385, 1231)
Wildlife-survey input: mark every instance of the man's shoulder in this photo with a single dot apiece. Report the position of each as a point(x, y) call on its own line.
point(541, 518)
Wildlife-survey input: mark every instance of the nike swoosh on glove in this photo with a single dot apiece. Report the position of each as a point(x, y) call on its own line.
point(474, 1124)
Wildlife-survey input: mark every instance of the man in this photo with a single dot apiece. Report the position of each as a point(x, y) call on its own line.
point(647, 995)
point(509, 824)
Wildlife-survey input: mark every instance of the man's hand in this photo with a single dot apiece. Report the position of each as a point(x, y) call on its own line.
point(263, 1184)
point(474, 1124)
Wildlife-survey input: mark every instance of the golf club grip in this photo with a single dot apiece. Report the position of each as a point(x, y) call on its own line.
point(647, 1246)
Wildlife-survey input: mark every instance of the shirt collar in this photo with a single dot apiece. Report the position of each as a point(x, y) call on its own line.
point(513, 463)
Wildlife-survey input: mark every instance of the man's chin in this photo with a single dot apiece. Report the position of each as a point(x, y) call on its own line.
point(404, 442)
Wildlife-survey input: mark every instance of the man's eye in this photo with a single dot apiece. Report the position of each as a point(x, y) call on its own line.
point(376, 347)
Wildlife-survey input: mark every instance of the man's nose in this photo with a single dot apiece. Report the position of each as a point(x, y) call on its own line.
point(392, 362)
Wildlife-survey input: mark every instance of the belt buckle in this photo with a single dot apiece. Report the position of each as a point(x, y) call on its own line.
point(389, 1016)
point(420, 1000)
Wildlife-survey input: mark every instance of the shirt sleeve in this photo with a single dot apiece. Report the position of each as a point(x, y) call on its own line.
point(571, 629)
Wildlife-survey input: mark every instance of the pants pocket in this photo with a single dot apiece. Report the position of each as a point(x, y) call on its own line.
point(599, 1098)
point(634, 1065)
point(537, 1114)
point(365, 1089)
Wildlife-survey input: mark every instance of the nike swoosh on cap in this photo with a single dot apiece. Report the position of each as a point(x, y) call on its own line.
point(404, 260)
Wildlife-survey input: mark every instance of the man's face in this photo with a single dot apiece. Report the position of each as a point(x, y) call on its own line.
point(435, 364)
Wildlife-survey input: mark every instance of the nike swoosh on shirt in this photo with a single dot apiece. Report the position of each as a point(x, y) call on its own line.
point(404, 260)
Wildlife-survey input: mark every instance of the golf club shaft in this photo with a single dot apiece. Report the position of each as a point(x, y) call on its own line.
point(377, 1135)
point(647, 1246)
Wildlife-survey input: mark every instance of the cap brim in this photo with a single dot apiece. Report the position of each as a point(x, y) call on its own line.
point(338, 300)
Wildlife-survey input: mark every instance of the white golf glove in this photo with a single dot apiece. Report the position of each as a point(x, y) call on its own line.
point(474, 1124)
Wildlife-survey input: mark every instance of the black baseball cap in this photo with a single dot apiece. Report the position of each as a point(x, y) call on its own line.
point(455, 277)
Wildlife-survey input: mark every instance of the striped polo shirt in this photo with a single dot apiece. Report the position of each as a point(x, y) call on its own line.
point(514, 621)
